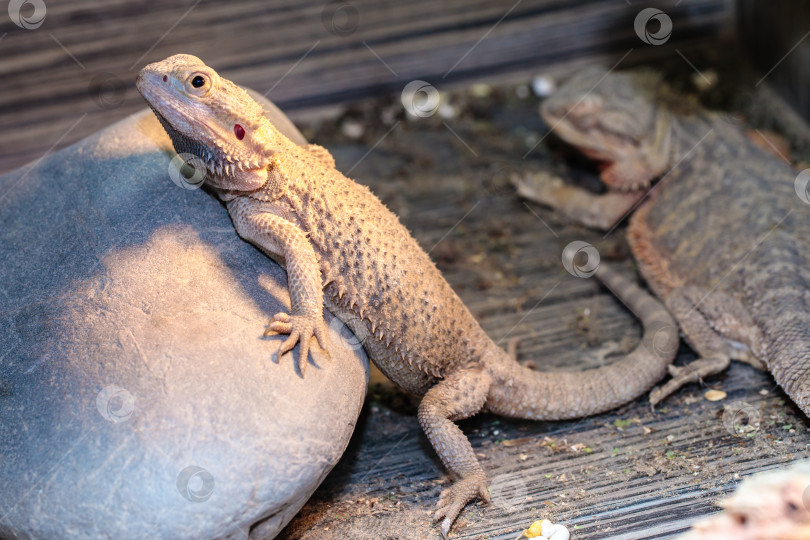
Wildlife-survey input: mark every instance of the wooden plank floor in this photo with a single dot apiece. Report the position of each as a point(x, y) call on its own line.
point(74, 74)
point(629, 474)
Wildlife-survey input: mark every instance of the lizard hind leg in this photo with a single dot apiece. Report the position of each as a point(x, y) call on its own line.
point(718, 328)
point(460, 395)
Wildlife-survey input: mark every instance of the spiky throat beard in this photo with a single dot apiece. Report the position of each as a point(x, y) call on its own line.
point(216, 162)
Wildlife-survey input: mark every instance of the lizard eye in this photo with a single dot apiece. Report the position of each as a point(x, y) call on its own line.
point(199, 84)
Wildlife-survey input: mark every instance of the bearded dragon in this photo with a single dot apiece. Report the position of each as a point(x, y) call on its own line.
point(342, 248)
point(723, 238)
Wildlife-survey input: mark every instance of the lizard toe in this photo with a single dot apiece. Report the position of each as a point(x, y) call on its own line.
point(456, 497)
point(323, 339)
point(694, 371)
point(279, 325)
point(660, 393)
point(303, 354)
point(301, 329)
point(674, 370)
point(289, 343)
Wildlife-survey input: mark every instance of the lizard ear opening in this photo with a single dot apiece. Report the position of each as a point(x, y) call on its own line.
point(249, 180)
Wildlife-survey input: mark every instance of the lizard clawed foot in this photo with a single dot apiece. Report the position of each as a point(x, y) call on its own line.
point(456, 497)
point(692, 372)
point(300, 328)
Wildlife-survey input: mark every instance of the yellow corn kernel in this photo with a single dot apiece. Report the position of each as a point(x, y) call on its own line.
point(535, 530)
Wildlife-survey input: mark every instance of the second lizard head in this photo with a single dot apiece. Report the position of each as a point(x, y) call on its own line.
point(212, 118)
point(615, 119)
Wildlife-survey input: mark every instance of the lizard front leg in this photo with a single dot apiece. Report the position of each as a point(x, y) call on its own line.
point(718, 328)
point(283, 239)
point(458, 396)
point(592, 210)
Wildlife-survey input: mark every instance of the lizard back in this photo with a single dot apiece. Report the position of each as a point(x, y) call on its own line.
point(376, 276)
point(728, 218)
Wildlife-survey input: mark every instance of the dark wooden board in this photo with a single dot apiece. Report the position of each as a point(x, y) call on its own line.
point(777, 38)
point(83, 59)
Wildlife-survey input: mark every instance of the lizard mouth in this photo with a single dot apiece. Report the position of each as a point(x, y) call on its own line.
point(596, 142)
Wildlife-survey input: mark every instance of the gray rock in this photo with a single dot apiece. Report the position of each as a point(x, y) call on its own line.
point(137, 396)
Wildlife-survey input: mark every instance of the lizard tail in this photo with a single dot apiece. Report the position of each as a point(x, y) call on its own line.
point(525, 393)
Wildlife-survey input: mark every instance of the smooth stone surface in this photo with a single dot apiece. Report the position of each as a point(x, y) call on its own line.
point(137, 396)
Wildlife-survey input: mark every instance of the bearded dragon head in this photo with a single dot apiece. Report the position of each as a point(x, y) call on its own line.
point(212, 118)
point(615, 119)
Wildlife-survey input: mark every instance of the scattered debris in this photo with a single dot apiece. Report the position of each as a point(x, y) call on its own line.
point(543, 86)
point(620, 424)
point(480, 90)
point(447, 111)
point(715, 395)
point(545, 530)
point(705, 80)
point(352, 129)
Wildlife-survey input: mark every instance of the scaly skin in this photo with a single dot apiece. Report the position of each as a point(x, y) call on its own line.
point(341, 247)
point(724, 239)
